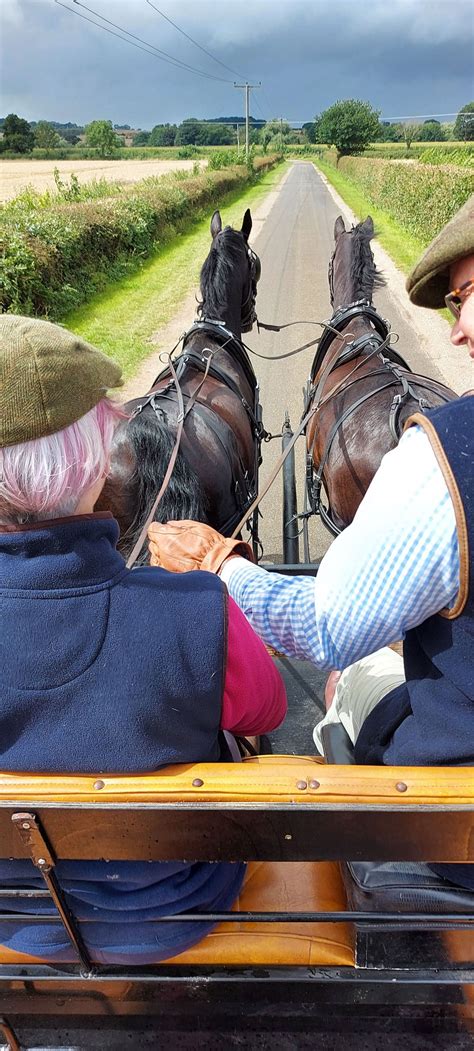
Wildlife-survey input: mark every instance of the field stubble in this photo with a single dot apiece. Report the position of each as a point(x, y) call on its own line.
point(17, 175)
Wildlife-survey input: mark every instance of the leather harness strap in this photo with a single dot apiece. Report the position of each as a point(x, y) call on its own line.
point(300, 429)
point(203, 362)
point(169, 471)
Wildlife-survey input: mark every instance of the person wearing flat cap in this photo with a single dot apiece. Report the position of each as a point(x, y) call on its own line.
point(404, 569)
point(104, 669)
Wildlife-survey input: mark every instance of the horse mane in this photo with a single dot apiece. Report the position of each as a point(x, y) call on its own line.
point(152, 444)
point(364, 274)
point(218, 271)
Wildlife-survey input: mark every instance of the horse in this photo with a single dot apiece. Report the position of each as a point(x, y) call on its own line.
point(361, 390)
point(215, 476)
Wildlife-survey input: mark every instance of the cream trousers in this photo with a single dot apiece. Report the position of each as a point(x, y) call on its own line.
point(361, 686)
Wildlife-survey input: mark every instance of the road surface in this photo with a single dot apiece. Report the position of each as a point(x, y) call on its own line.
point(295, 242)
point(293, 234)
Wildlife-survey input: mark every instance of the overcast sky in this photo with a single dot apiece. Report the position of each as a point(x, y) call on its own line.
point(404, 56)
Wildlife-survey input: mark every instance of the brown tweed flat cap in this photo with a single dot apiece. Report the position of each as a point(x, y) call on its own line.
point(428, 283)
point(49, 378)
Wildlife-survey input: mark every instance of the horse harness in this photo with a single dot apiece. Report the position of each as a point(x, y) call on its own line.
point(203, 361)
point(393, 367)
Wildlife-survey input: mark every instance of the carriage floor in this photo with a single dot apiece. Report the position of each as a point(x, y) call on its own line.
point(305, 691)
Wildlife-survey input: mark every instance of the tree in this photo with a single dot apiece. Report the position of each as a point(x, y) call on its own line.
point(188, 131)
point(71, 137)
point(45, 136)
point(100, 135)
point(216, 135)
point(17, 134)
point(410, 134)
point(431, 131)
point(391, 132)
point(309, 129)
point(275, 132)
point(464, 124)
point(349, 125)
point(163, 135)
point(142, 139)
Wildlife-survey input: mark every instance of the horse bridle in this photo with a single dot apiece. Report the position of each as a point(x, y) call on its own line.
point(204, 362)
point(248, 313)
point(377, 342)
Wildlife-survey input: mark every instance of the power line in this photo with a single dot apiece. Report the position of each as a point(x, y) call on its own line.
point(419, 116)
point(178, 61)
point(267, 100)
point(408, 116)
point(261, 110)
point(149, 49)
point(201, 48)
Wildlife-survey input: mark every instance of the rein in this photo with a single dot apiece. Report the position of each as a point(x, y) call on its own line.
point(300, 429)
point(205, 358)
point(169, 470)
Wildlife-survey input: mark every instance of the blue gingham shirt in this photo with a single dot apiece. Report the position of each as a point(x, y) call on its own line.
point(396, 565)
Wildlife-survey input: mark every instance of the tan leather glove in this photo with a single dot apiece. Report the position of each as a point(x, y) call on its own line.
point(184, 546)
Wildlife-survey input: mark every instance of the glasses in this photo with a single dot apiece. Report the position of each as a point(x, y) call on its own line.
point(455, 299)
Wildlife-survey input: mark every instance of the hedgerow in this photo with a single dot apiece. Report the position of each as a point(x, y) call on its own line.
point(421, 197)
point(57, 253)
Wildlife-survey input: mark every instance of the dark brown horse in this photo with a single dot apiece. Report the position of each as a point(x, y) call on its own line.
point(215, 475)
point(362, 389)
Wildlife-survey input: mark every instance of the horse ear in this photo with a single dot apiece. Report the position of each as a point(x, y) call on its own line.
point(368, 226)
point(339, 227)
point(246, 225)
point(216, 224)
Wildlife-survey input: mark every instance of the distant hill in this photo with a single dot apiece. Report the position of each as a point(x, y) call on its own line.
point(233, 120)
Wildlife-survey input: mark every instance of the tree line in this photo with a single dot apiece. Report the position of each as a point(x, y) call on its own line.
point(349, 125)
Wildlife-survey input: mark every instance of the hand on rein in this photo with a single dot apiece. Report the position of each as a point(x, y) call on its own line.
point(182, 547)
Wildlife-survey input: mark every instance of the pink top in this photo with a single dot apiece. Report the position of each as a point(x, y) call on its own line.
point(254, 699)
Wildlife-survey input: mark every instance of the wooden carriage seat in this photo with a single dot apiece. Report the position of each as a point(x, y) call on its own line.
point(270, 886)
point(395, 885)
point(298, 809)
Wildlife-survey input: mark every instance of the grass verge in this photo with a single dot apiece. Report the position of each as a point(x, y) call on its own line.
point(121, 319)
point(404, 248)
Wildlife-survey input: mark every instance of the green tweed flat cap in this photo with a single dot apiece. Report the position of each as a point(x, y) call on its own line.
point(49, 378)
point(428, 283)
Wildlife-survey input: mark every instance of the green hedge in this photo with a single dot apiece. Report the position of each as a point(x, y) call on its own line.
point(421, 197)
point(56, 257)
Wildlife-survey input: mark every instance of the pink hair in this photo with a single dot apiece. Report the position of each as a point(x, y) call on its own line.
point(47, 477)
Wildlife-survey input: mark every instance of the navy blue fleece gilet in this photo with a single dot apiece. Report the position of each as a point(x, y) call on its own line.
point(106, 670)
point(429, 719)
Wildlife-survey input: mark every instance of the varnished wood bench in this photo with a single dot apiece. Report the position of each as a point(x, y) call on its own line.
point(294, 819)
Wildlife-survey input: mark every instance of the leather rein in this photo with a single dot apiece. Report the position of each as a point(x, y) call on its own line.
point(203, 361)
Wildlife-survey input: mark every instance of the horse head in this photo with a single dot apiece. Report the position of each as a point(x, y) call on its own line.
point(352, 271)
point(229, 277)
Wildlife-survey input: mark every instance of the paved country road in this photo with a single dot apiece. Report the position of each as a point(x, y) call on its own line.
point(293, 234)
point(295, 243)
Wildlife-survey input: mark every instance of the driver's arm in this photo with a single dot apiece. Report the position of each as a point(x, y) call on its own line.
point(396, 565)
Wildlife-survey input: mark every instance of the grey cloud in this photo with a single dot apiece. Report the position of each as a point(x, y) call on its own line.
point(405, 56)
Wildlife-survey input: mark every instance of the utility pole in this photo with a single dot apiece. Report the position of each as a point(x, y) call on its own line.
point(247, 88)
point(238, 138)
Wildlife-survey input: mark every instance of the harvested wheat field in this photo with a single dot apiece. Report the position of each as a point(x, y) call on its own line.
point(16, 175)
